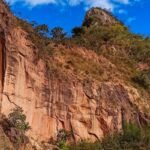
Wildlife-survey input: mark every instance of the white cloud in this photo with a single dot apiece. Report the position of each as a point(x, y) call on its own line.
point(107, 4)
point(123, 1)
point(122, 11)
point(32, 2)
point(131, 19)
point(102, 3)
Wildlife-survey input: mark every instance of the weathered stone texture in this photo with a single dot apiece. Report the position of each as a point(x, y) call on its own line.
point(88, 108)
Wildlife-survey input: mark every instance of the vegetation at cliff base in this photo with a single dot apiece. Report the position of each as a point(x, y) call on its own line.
point(132, 138)
point(15, 126)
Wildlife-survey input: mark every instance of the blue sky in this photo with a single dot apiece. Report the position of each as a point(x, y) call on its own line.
point(70, 13)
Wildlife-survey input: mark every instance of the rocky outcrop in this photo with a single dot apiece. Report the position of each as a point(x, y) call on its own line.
point(90, 109)
point(96, 16)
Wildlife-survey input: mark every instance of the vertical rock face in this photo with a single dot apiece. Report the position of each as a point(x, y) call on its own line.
point(2, 61)
point(88, 108)
point(1, 70)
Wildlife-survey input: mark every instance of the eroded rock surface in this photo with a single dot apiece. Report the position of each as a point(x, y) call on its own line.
point(98, 16)
point(88, 108)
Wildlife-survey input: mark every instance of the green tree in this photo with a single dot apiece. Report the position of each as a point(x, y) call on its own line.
point(77, 31)
point(58, 33)
point(15, 126)
point(43, 30)
point(18, 120)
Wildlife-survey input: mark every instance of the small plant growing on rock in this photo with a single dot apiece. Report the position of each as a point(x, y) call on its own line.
point(62, 138)
point(143, 79)
point(62, 135)
point(15, 127)
point(18, 120)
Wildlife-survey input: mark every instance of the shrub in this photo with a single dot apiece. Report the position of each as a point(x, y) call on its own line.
point(58, 33)
point(62, 135)
point(63, 146)
point(77, 31)
point(7, 4)
point(132, 138)
point(39, 37)
point(18, 120)
point(96, 36)
point(62, 138)
point(42, 30)
point(143, 79)
point(131, 132)
point(15, 127)
point(86, 146)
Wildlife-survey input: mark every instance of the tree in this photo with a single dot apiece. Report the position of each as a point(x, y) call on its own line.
point(42, 29)
point(58, 33)
point(18, 120)
point(77, 31)
point(15, 127)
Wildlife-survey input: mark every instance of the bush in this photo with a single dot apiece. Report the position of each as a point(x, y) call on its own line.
point(62, 138)
point(18, 120)
point(86, 146)
point(96, 36)
point(131, 133)
point(15, 127)
point(42, 30)
point(77, 31)
point(132, 138)
point(143, 79)
point(39, 37)
point(62, 135)
point(58, 33)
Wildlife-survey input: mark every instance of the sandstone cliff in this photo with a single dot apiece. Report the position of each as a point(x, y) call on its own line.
point(76, 90)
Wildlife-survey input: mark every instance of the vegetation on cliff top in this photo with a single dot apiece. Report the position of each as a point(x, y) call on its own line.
point(114, 41)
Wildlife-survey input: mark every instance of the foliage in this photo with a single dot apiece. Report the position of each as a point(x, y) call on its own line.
point(132, 138)
point(38, 35)
point(42, 30)
point(63, 146)
point(95, 37)
point(15, 127)
point(82, 67)
point(18, 120)
point(143, 79)
point(7, 4)
point(140, 49)
point(62, 138)
point(62, 135)
point(77, 31)
point(115, 42)
point(58, 34)
point(83, 145)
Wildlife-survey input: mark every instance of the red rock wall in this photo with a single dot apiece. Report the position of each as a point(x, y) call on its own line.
point(2, 62)
point(0, 66)
point(87, 108)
